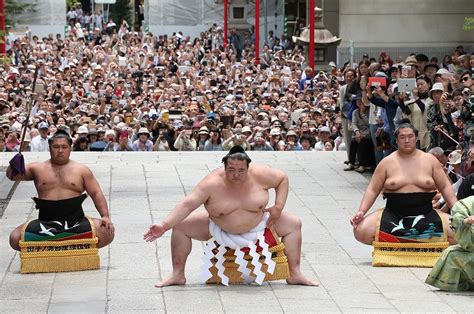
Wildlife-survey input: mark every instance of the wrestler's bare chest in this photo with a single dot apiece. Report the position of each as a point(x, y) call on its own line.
point(413, 176)
point(62, 181)
point(249, 198)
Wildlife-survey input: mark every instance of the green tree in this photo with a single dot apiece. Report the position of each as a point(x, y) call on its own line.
point(121, 10)
point(15, 7)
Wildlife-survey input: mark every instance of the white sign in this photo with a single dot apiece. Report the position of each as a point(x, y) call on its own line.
point(105, 1)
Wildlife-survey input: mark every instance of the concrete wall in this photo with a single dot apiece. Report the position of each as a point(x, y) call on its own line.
point(433, 27)
point(406, 22)
point(331, 21)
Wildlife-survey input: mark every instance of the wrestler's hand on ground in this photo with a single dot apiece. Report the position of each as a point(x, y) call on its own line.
point(275, 214)
point(154, 232)
point(107, 223)
point(358, 217)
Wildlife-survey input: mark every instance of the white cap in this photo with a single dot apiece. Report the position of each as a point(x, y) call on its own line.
point(275, 131)
point(437, 86)
point(324, 129)
point(443, 71)
point(43, 125)
point(109, 132)
point(246, 129)
point(82, 130)
point(144, 131)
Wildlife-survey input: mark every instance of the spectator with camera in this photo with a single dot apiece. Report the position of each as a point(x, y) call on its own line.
point(260, 143)
point(214, 142)
point(185, 141)
point(236, 139)
point(417, 111)
point(443, 132)
point(143, 142)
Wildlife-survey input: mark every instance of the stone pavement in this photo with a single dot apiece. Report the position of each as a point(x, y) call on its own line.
point(141, 188)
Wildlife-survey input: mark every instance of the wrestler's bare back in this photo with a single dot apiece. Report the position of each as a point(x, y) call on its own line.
point(237, 208)
point(56, 182)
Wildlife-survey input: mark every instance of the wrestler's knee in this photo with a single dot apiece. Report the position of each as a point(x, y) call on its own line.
point(103, 234)
point(297, 223)
point(362, 235)
point(15, 236)
point(105, 238)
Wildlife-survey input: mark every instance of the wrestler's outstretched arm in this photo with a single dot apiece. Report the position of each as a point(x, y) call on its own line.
point(373, 190)
point(198, 196)
point(274, 179)
point(442, 182)
point(27, 176)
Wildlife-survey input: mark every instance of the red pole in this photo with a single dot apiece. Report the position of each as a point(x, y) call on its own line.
point(3, 38)
point(257, 31)
point(311, 34)
point(226, 4)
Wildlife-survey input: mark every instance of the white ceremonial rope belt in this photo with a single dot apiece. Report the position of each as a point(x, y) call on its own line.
point(237, 242)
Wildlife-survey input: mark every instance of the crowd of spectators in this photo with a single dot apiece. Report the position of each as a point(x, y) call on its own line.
point(114, 89)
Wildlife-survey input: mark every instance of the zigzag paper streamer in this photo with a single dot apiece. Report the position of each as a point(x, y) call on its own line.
point(268, 256)
point(256, 263)
point(239, 260)
point(207, 260)
point(220, 265)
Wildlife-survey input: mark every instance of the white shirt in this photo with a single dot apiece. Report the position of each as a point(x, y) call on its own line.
point(10, 39)
point(39, 144)
point(319, 146)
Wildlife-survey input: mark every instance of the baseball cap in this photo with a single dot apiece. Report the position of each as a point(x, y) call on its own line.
point(437, 86)
point(43, 125)
point(443, 71)
point(82, 130)
point(324, 129)
point(177, 124)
